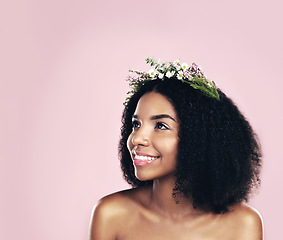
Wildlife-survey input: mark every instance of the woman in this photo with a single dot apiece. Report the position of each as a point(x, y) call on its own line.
point(191, 157)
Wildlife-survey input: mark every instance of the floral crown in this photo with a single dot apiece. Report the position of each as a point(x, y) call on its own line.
point(191, 75)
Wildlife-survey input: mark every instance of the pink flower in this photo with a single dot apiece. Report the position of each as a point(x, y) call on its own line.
point(194, 68)
point(188, 75)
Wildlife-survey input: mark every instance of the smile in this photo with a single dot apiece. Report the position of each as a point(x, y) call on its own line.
point(144, 158)
point(141, 160)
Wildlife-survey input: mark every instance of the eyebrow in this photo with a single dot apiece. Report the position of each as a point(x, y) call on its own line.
point(159, 116)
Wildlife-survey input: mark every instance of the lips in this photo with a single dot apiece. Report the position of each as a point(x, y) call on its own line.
point(141, 159)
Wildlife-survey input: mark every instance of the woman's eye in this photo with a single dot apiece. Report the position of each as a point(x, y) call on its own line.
point(161, 126)
point(135, 124)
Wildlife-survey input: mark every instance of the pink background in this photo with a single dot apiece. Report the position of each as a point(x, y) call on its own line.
point(63, 65)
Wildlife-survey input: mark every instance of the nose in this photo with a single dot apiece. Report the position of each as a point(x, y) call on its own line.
point(141, 138)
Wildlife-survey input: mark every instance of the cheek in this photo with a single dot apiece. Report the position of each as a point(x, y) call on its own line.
point(168, 146)
point(173, 147)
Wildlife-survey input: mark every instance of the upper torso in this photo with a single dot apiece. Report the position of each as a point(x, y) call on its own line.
point(128, 217)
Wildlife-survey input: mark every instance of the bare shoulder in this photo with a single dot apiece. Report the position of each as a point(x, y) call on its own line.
point(247, 221)
point(109, 214)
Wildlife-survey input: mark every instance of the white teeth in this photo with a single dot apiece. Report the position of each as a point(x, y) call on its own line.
point(144, 158)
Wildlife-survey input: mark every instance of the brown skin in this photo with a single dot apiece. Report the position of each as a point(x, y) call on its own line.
point(151, 212)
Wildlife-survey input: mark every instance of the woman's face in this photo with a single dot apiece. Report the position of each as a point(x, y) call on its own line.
point(153, 143)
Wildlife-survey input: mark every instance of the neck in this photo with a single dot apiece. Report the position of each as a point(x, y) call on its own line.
point(163, 202)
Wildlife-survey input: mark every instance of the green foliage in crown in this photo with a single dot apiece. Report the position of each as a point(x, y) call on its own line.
point(191, 75)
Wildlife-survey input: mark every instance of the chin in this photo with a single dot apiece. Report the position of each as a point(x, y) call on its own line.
point(142, 177)
point(148, 176)
point(145, 174)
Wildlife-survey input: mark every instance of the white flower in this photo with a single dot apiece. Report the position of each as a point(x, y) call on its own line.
point(152, 73)
point(180, 75)
point(176, 62)
point(160, 75)
point(184, 66)
point(177, 67)
point(170, 74)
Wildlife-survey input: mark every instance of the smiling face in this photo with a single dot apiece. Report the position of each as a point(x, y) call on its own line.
point(153, 143)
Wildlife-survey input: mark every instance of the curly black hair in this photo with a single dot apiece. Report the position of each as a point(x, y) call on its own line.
point(219, 155)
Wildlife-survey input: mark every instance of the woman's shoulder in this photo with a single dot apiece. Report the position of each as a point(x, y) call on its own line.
point(111, 211)
point(244, 213)
point(119, 203)
point(246, 220)
point(123, 199)
point(115, 198)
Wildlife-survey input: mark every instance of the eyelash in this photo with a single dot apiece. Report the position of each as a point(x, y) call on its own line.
point(158, 125)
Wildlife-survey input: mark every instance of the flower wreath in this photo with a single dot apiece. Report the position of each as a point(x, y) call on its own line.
point(172, 70)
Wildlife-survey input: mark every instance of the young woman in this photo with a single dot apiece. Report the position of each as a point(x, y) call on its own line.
point(191, 157)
